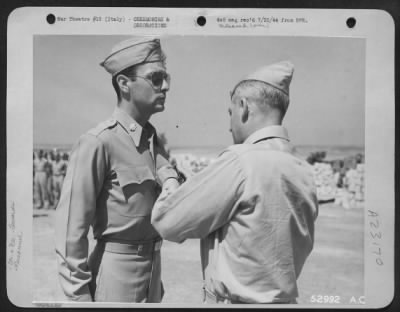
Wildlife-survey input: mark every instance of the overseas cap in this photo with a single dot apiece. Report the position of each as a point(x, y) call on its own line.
point(278, 75)
point(132, 52)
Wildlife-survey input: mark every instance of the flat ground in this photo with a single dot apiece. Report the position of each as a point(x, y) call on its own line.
point(334, 268)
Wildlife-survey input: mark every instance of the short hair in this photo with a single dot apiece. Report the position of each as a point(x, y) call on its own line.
point(130, 72)
point(263, 93)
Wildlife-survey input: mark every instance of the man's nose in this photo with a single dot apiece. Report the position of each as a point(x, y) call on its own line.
point(165, 85)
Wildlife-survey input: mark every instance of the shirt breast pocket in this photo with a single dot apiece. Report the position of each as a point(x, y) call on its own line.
point(133, 175)
point(139, 190)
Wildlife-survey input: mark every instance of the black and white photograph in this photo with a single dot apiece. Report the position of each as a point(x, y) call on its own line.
point(78, 119)
point(184, 169)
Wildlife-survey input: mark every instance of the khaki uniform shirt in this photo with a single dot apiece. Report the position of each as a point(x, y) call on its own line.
point(59, 168)
point(254, 209)
point(113, 179)
point(39, 165)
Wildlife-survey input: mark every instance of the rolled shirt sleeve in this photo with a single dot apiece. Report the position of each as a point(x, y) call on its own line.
point(74, 215)
point(203, 203)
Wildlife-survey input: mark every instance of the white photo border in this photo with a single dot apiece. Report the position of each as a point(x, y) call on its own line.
point(377, 27)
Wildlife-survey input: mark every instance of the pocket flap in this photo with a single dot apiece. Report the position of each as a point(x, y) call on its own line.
point(134, 175)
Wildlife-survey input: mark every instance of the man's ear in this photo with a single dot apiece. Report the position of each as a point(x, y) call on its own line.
point(244, 109)
point(122, 82)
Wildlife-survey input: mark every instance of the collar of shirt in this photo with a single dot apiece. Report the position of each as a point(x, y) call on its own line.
point(266, 133)
point(133, 128)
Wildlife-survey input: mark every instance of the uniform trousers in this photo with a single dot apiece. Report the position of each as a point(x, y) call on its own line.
point(123, 275)
point(41, 187)
point(57, 186)
point(49, 188)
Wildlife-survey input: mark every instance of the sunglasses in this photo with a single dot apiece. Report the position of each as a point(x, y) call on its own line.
point(156, 79)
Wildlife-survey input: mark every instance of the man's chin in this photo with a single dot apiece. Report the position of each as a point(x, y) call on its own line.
point(159, 108)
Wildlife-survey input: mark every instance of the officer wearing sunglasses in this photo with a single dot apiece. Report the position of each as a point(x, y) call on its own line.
point(115, 174)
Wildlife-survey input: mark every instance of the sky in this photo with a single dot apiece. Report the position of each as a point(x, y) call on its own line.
point(72, 92)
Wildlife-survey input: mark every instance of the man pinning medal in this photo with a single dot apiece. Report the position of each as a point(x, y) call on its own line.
point(254, 208)
point(114, 175)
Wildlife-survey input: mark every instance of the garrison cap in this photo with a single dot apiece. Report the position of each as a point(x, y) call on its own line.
point(278, 75)
point(132, 52)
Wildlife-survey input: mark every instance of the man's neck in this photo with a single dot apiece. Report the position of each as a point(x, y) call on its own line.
point(263, 124)
point(132, 111)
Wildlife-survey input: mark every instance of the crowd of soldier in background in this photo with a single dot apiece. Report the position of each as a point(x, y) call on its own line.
point(49, 168)
point(332, 177)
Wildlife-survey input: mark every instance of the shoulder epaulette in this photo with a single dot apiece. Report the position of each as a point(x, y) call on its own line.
point(107, 124)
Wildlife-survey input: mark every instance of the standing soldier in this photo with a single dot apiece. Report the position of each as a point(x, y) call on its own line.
point(34, 184)
point(113, 178)
point(49, 170)
point(59, 169)
point(40, 181)
point(257, 201)
point(65, 158)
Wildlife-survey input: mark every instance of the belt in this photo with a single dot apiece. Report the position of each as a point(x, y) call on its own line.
point(133, 247)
